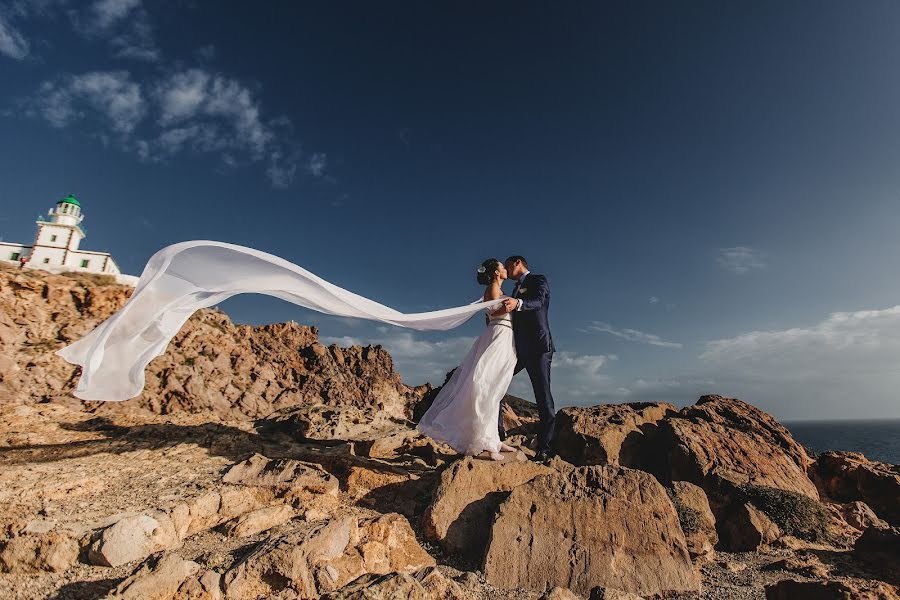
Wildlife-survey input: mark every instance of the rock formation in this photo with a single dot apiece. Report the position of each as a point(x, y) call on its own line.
point(260, 463)
point(212, 366)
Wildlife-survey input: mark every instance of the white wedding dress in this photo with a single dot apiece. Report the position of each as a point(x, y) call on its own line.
point(464, 413)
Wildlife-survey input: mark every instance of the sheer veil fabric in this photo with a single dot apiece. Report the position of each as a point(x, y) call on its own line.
point(182, 278)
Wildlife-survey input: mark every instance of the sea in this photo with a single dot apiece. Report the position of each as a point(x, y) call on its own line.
point(877, 439)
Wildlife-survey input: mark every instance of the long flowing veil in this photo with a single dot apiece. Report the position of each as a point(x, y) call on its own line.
point(182, 278)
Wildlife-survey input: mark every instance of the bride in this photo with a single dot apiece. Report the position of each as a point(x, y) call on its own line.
point(464, 413)
point(183, 278)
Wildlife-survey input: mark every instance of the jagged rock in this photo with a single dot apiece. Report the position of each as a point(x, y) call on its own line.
point(259, 520)
point(466, 499)
point(334, 423)
point(850, 476)
point(216, 507)
point(33, 553)
point(608, 433)
point(808, 565)
point(208, 586)
point(880, 548)
point(560, 593)
point(858, 515)
point(590, 527)
point(846, 589)
point(600, 593)
point(157, 581)
point(748, 528)
point(133, 538)
point(429, 584)
point(282, 475)
point(726, 441)
point(696, 518)
point(211, 367)
point(321, 557)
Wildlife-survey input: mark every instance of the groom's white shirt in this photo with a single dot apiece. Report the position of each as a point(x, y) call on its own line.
point(519, 285)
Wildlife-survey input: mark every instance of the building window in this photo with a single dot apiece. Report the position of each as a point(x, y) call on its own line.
point(52, 238)
point(14, 256)
point(85, 263)
point(46, 261)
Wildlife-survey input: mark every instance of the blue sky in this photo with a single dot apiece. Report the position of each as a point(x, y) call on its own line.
point(711, 188)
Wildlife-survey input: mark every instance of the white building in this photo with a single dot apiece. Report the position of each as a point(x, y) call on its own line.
point(56, 246)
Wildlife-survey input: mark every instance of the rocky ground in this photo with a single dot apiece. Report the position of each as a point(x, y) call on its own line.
point(261, 464)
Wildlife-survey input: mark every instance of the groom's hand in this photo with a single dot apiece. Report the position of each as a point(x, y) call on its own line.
point(510, 304)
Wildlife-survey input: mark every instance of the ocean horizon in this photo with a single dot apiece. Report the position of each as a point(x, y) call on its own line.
point(878, 439)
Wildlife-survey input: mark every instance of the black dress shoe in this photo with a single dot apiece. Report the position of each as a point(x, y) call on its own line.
point(543, 457)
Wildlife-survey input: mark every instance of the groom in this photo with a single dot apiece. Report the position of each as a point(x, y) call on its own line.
point(534, 345)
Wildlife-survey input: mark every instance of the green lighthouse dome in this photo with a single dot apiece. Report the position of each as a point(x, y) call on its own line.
point(70, 199)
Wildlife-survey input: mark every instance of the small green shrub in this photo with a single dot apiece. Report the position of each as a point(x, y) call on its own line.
point(796, 514)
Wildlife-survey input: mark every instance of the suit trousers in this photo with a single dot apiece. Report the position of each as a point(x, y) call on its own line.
point(538, 368)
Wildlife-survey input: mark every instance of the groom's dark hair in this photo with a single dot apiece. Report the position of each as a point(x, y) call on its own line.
point(518, 258)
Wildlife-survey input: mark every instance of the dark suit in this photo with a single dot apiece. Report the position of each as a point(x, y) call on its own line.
point(534, 348)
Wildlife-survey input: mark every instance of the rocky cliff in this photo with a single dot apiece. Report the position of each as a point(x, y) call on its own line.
point(214, 367)
point(259, 463)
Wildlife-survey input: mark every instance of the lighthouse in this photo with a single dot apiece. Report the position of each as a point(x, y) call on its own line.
point(57, 245)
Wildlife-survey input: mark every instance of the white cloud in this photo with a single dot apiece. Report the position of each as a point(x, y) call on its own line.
point(417, 360)
point(741, 259)
point(124, 23)
point(106, 13)
point(317, 163)
point(193, 110)
point(12, 43)
point(112, 96)
point(866, 339)
point(845, 365)
point(631, 335)
point(654, 300)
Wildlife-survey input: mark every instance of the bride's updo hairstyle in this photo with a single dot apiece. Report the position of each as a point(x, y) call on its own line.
point(488, 271)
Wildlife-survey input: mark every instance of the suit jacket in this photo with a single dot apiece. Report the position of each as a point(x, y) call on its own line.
point(531, 327)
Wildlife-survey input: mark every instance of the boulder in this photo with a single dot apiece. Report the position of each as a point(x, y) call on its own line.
point(719, 443)
point(859, 516)
point(334, 423)
point(880, 549)
point(133, 538)
point(156, 580)
point(747, 528)
point(282, 476)
point(466, 499)
point(845, 589)
point(33, 553)
point(850, 476)
point(315, 558)
point(598, 526)
point(696, 518)
point(259, 520)
point(608, 433)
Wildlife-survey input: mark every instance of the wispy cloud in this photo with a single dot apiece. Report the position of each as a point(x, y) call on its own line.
point(12, 43)
point(654, 300)
point(741, 259)
point(631, 335)
point(125, 24)
point(188, 110)
point(419, 360)
point(112, 96)
point(866, 339)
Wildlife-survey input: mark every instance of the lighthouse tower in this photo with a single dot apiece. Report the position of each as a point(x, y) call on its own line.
point(57, 243)
point(62, 230)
